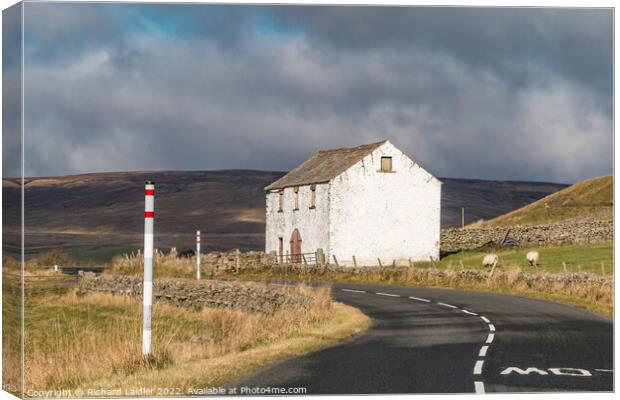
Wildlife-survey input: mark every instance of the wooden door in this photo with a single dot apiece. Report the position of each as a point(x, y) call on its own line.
point(296, 247)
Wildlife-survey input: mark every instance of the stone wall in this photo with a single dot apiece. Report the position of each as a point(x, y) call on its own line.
point(181, 292)
point(455, 239)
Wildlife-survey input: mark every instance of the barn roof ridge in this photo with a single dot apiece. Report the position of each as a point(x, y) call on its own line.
point(325, 165)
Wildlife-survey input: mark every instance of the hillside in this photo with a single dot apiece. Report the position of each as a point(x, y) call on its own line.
point(105, 210)
point(584, 201)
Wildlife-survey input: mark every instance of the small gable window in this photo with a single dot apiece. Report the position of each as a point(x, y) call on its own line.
point(296, 205)
point(386, 164)
point(313, 196)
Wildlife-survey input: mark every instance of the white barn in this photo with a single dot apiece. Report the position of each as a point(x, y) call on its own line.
point(370, 202)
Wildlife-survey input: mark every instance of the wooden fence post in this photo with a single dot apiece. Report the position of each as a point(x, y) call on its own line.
point(564, 266)
point(354, 262)
point(380, 265)
point(335, 260)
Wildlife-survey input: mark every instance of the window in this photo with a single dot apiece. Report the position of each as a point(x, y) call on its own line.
point(281, 249)
point(296, 205)
point(280, 200)
point(313, 196)
point(386, 164)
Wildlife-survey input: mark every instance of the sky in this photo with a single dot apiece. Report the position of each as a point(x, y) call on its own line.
point(489, 93)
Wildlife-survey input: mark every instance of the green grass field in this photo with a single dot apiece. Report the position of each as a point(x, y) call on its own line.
point(586, 257)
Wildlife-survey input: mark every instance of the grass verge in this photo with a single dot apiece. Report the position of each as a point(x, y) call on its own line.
point(94, 341)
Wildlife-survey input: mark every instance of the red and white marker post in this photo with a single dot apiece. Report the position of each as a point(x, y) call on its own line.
point(147, 293)
point(198, 255)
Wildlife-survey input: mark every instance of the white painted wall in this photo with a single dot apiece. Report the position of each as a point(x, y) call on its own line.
point(387, 215)
point(313, 224)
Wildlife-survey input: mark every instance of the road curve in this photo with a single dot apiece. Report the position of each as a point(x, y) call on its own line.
point(446, 341)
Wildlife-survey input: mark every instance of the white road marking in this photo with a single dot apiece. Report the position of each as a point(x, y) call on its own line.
point(479, 387)
point(446, 305)
point(485, 319)
point(604, 370)
point(570, 371)
point(520, 371)
point(419, 299)
point(353, 291)
point(483, 351)
point(490, 338)
point(478, 367)
point(469, 312)
point(387, 294)
point(492, 327)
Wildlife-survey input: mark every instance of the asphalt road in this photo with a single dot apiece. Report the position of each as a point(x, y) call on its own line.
point(445, 341)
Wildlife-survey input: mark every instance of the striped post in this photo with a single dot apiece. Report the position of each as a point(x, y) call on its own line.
point(198, 255)
point(147, 294)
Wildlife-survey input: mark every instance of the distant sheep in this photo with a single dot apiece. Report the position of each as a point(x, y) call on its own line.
point(490, 260)
point(532, 258)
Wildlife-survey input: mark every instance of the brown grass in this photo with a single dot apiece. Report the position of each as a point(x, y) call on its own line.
point(72, 340)
point(164, 264)
point(591, 199)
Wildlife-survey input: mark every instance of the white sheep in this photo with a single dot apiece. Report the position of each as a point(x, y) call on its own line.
point(490, 260)
point(532, 258)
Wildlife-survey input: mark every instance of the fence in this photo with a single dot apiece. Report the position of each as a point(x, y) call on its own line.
point(301, 258)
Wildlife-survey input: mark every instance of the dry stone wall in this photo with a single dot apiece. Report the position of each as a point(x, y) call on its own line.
point(186, 293)
point(456, 239)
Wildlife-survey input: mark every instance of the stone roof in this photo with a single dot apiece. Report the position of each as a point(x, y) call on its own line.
point(324, 165)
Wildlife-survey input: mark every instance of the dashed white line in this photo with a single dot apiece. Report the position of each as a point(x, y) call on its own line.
point(490, 338)
point(478, 367)
point(478, 385)
point(604, 370)
point(353, 291)
point(387, 294)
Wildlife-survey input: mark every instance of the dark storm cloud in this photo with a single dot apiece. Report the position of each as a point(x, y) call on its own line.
point(505, 39)
point(466, 92)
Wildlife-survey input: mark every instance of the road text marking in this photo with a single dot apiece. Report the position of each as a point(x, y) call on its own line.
point(446, 305)
point(419, 299)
